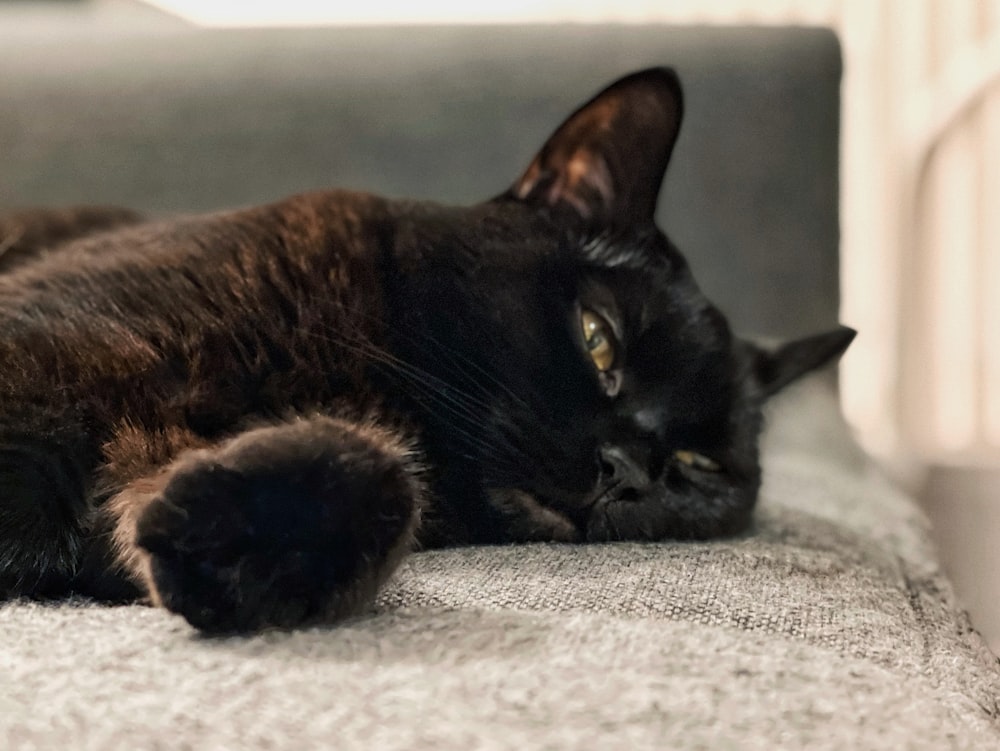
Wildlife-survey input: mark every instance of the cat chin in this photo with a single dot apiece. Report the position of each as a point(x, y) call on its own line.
point(528, 520)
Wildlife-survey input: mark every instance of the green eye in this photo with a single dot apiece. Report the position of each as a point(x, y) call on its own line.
point(697, 461)
point(599, 338)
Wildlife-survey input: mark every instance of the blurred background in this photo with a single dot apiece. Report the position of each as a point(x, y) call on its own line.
point(920, 192)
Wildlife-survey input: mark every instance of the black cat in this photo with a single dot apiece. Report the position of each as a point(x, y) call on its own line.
point(252, 416)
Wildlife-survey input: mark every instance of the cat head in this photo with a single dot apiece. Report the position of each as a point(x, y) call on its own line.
point(572, 374)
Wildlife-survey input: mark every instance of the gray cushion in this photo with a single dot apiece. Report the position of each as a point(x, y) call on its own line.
point(830, 626)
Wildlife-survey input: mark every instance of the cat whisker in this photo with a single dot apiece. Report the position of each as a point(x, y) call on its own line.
point(452, 353)
point(454, 357)
point(463, 412)
point(455, 393)
point(453, 402)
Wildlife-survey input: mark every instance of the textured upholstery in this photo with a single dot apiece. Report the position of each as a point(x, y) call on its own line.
point(829, 625)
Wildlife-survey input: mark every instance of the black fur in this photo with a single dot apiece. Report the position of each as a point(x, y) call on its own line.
point(251, 416)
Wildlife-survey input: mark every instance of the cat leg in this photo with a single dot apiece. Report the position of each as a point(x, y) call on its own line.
point(280, 526)
point(45, 460)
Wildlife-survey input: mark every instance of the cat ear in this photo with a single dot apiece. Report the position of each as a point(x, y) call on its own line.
point(606, 162)
point(774, 370)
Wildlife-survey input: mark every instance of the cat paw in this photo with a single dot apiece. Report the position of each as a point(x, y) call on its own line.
point(285, 526)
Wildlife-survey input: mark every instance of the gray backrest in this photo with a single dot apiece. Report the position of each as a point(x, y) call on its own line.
point(165, 117)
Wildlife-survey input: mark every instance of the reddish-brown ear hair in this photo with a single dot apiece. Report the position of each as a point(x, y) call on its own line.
point(607, 160)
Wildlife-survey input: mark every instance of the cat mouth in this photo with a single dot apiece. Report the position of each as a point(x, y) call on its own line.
point(610, 493)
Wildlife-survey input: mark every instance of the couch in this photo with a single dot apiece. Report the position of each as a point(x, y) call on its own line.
point(828, 625)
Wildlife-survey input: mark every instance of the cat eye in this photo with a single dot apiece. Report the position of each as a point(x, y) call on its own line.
point(599, 340)
point(697, 461)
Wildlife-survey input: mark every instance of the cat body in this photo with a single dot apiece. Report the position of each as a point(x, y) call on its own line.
point(251, 417)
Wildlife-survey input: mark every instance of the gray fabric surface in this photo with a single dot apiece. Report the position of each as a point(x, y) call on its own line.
point(166, 117)
point(829, 626)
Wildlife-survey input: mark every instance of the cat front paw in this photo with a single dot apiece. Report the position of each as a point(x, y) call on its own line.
point(285, 526)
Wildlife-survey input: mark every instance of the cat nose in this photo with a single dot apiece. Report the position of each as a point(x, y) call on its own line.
point(623, 468)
